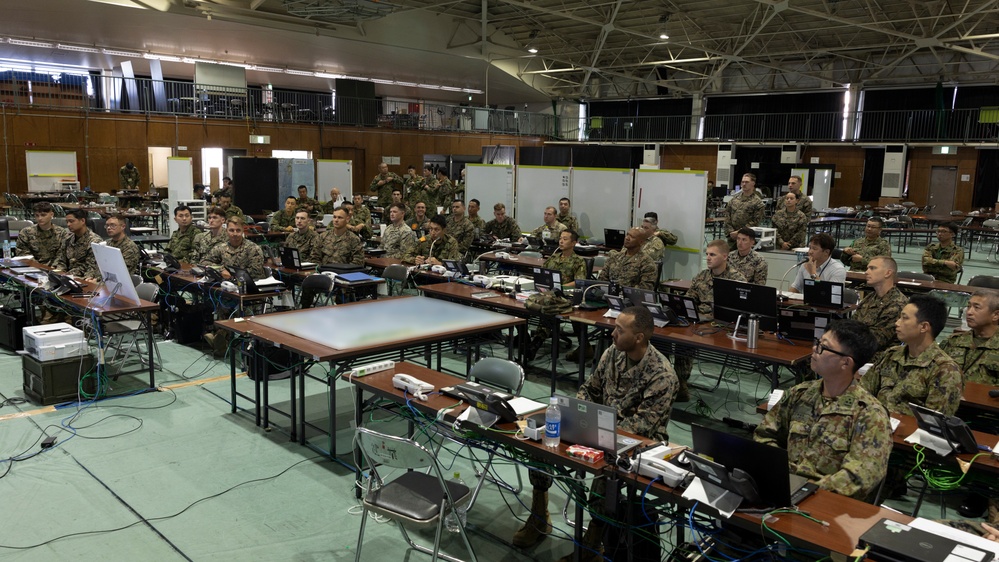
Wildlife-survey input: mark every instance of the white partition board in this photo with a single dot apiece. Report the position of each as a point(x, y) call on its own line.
point(46, 167)
point(293, 172)
point(601, 198)
point(335, 173)
point(490, 184)
point(539, 187)
point(180, 183)
point(678, 198)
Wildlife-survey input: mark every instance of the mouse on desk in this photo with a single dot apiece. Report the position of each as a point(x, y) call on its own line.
point(682, 458)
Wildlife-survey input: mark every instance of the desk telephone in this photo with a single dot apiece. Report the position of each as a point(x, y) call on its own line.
point(412, 385)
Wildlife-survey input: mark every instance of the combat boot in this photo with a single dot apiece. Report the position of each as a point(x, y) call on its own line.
point(539, 523)
point(592, 544)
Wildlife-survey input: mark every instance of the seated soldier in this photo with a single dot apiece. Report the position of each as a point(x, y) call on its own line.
point(566, 217)
point(225, 203)
point(284, 220)
point(835, 432)
point(502, 226)
point(398, 238)
point(398, 200)
point(944, 259)
point(76, 257)
point(571, 267)
point(436, 247)
point(42, 240)
point(551, 227)
point(630, 267)
point(976, 351)
point(359, 217)
point(305, 202)
point(460, 227)
point(236, 253)
point(421, 222)
point(305, 239)
point(338, 244)
point(115, 226)
point(474, 218)
point(665, 236)
point(744, 258)
point(880, 308)
point(182, 240)
point(858, 254)
point(653, 245)
point(213, 235)
point(335, 201)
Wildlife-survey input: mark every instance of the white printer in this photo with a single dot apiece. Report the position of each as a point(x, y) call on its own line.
point(49, 342)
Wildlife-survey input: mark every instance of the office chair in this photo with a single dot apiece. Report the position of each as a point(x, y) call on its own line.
point(322, 285)
point(396, 275)
point(122, 335)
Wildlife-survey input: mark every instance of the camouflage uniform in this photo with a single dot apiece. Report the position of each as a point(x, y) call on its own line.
point(307, 203)
point(234, 211)
point(867, 249)
point(340, 248)
point(462, 231)
point(77, 257)
point(653, 247)
point(642, 393)
point(932, 379)
point(753, 267)
point(702, 288)
point(384, 192)
point(629, 271)
point(283, 219)
point(129, 251)
point(419, 226)
point(205, 241)
point(508, 229)
point(978, 358)
point(571, 268)
point(791, 228)
point(546, 232)
point(44, 245)
point(182, 242)
point(245, 256)
point(805, 206)
point(478, 223)
point(445, 194)
point(935, 253)
point(879, 314)
point(128, 179)
point(307, 242)
point(569, 221)
point(416, 192)
point(842, 443)
point(667, 237)
point(328, 207)
point(366, 232)
point(445, 248)
point(398, 240)
point(743, 210)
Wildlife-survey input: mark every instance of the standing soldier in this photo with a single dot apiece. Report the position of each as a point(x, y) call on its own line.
point(128, 176)
point(305, 202)
point(383, 183)
point(565, 216)
point(791, 224)
point(744, 209)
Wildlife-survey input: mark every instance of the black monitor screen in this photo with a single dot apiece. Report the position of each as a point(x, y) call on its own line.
point(767, 465)
point(719, 191)
point(640, 297)
point(613, 238)
point(735, 298)
point(547, 279)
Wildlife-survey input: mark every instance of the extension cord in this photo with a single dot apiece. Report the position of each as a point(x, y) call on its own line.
point(372, 368)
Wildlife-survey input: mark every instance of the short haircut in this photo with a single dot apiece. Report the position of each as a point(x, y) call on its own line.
point(341, 208)
point(750, 175)
point(566, 199)
point(652, 216)
point(889, 261)
point(303, 187)
point(236, 220)
point(411, 167)
point(553, 209)
point(43, 207)
point(476, 201)
point(399, 189)
point(78, 214)
point(856, 339)
point(572, 234)
point(824, 240)
point(216, 210)
point(118, 217)
point(499, 207)
point(746, 231)
point(347, 205)
point(440, 221)
point(227, 178)
point(800, 179)
point(794, 193)
point(180, 208)
point(225, 194)
point(951, 226)
point(428, 167)
point(643, 320)
point(991, 297)
point(199, 187)
point(932, 310)
point(879, 220)
point(292, 197)
point(301, 210)
point(721, 244)
point(400, 206)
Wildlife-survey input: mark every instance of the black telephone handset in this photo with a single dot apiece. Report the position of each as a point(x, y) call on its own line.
point(501, 408)
point(960, 435)
point(213, 275)
point(673, 319)
point(172, 264)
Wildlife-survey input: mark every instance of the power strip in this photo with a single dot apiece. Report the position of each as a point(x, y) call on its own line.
point(372, 368)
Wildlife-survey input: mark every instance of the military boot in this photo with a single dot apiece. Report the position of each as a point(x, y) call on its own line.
point(592, 544)
point(538, 525)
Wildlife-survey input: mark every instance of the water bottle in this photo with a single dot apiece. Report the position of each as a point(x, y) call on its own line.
point(456, 519)
point(753, 331)
point(553, 424)
point(6, 249)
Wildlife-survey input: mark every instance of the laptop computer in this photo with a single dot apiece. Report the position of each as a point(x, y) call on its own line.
point(456, 266)
point(547, 279)
point(766, 466)
point(591, 425)
point(292, 259)
point(897, 542)
point(823, 293)
point(615, 305)
point(640, 297)
point(683, 306)
point(613, 238)
point(664, 316)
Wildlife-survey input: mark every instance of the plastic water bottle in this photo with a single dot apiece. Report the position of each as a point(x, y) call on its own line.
point(459, 516)
point(6, 249)
point(553, 424)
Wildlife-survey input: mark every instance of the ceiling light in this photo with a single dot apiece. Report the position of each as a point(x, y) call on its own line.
point(239, 64)
point(299, 72)
point(663, 20)
point(266, 68)
point(664, 35)
point(26, 43)
point(117, 53)
point(14, 68)
point(77, 48)
point(165, 58)
point(530, 43)
point(325, 75)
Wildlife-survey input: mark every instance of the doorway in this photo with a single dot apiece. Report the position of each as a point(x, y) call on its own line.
point(943, 184)
point(158, 156)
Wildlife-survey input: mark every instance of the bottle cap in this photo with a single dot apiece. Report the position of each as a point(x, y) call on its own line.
point(457, 475)
point(553, 400)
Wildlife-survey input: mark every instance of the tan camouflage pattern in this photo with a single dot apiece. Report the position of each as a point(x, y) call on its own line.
point(935, 253)
point(791, 228)
point(44, 245)
point(752, 266)
point(932, 379)
point(629, 271)
point(978, 358)
point(398, 241)
point(868, 249)
point(245, 256)
point(342, 248)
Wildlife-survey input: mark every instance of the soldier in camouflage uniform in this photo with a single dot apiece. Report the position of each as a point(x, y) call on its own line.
point(431, 189)
point(398, 240)
point(917, 371)
point(653, 245)
point(42, 240)
point(630, 267)
point(237, 252)
point(502, 226)
point(745, 259)
point(413, 187)
point(881, 307)
point(208, 239)
point(977, 350)
point(859, 254)
point(744, 209)
point(359, 221)
point(77, 257)
point(571, 267)
point(702, 288)
point(305, 202)
point(791, 224)
point(651, 223)
point(115, 227)
point(474, 218)
point(338, 244)
point(551, 227)
point(284, 220)
point(436, 247)
point(944, 259)
point(834, 431)
point(565, 217)
point(383, 183)
point(230, 210)
point(128, 176)
point(636, 380)
point(445, 189)
point(407, 213)
point(460, 227)
point(421, 222)
point(304, 239)
point(335, 201)
point(794, 183)
point(181, 241)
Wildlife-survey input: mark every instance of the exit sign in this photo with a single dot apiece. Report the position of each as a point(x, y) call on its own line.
point(260, 139)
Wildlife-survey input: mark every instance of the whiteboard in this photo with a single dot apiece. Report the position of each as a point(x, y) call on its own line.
point(293, 172)
point(335, 173)
point(47, 167)
point(180, 183)
point(490, 184)
point(539, 187)
point(601, 198)
point(678, 196)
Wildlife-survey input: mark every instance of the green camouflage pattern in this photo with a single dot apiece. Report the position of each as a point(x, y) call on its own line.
point(398, 241)
point(307, 242)
point(128, 179)
point(978, 358)
point(702, 287)
point(478, 224)
point(129, 251)
point(546, 232)
point(77, 257)
point(572, 267)
point(44, 245)
point(743, 210)
point(283, 219)
point(752, 266)
point(245, 256)
point(805, 205)
point(792, 227)
point(931, 379)
point(205, 241)
point(667, 237)
point(654, 248)
point(234, 211)
point(508, 229)
point(392, 181)
point(569, 221)
point(445, 248)
point(629, 271)
point(181, 243)
point(341, 248)
point(880, 313)
point(462, 231)
point(935, 253)
point(867, 249)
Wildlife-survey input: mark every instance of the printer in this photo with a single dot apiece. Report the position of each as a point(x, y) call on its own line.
point(49, 342)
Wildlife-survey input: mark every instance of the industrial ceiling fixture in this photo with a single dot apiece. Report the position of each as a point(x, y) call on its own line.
point(530, 43)
point(663, 33)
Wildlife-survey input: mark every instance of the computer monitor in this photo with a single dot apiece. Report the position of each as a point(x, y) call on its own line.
point(547, 279)
point(640, 297)
point(456, 266)
point(249, 285)
point(735, 299)
point(613, 238)
point(115, 273)
point(719, 191)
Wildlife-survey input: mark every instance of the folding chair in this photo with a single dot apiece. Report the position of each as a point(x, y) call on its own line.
point(323, 287)
point(396, 275)
point(123, 335)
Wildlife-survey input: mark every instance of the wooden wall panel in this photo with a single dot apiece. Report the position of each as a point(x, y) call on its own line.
point(31, 130)
point(101, 132)
point(160, 133)
point(67, 133)
point(130, 133)
point(921, 163)
point(849, 161)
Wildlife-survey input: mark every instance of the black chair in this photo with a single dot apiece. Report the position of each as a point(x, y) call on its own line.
point(985, 281)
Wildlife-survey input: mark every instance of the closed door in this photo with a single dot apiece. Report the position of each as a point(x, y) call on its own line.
point(943, 182)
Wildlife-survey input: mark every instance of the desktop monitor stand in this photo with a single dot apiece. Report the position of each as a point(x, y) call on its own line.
point(735, 332)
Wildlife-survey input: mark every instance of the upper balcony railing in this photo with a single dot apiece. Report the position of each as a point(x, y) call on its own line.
point(148, 97)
